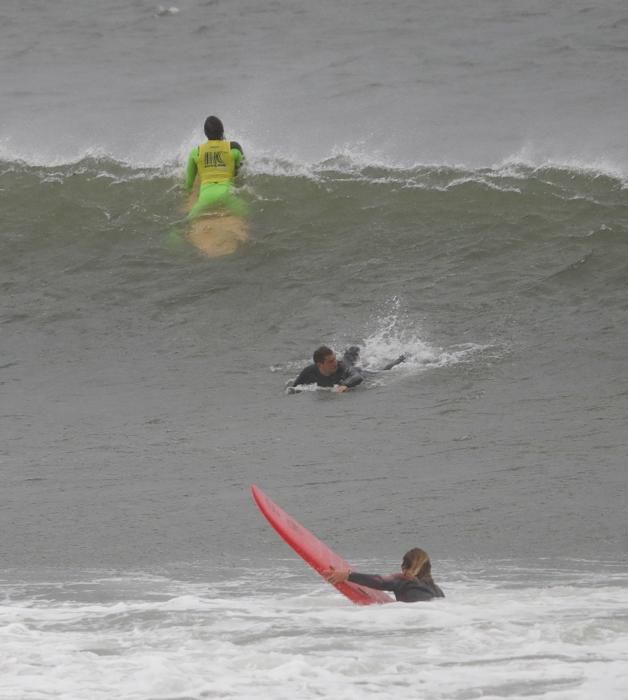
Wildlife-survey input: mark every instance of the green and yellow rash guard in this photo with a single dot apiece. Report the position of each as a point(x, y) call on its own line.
point(214, 162)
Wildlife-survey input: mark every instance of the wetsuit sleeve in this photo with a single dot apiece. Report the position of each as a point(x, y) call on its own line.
point(405, 590)
point(381, 583)
point(394, 363)
point(192, 169)
point(351, 377)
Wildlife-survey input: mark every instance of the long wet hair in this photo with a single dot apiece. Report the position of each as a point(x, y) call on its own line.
point(417, 563)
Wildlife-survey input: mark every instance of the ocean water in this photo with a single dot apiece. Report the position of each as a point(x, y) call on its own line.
point(447, 180)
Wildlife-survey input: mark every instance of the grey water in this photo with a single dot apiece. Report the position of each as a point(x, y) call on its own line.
point(446, 180)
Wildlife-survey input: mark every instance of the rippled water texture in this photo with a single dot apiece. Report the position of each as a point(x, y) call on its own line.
point(443, 180)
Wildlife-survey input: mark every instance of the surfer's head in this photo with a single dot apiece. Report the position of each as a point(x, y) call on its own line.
point(214, 129)
point(417, 563)
point(325, 360)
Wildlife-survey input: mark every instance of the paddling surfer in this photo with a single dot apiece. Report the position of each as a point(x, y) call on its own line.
point(413, 584)
point(328, 371)
point(342, 375)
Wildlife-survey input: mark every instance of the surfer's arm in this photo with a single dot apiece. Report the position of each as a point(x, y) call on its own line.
point(394, 363)
point(381, 583)
point(351, 378)
point(191, 170)
point(238, 155)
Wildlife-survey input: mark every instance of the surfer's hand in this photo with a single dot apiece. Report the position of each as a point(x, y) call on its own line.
point(337, 576)
point(341, 388)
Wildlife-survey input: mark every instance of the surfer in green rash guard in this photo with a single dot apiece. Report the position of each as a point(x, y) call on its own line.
point(412, 585)
point(328, 371)
point(215, 163)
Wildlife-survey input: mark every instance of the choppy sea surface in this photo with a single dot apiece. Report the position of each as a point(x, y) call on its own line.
point(446, 180)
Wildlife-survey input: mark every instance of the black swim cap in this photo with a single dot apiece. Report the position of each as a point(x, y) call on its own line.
point(214, 129)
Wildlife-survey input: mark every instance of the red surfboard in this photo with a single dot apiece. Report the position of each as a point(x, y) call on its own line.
point(315, 553)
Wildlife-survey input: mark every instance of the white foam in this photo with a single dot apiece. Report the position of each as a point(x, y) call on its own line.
point(390, 334)
point(507, 635)
point(353, 159)
point(531, 157)
point(394, 333)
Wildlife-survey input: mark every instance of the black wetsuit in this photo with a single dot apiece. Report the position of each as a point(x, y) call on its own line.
point(406, 590)
point(345, 375)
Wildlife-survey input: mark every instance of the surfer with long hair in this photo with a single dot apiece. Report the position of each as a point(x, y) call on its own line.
point(414, 583)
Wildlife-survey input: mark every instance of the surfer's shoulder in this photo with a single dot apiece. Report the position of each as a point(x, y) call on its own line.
point(308, 375)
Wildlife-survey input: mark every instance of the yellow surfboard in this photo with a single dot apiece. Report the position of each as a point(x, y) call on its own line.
point(218, 234)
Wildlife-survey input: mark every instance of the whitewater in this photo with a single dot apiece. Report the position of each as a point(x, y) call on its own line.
point(442, 180)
